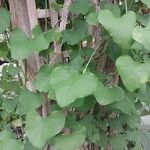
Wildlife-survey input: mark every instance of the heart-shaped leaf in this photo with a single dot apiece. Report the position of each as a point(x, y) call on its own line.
point(42, 81)
point(5, 19)
point(69, 86)
point(126, 106)
point(146, 2)
point(107, 95)
point(7, 141)
point(76, 34)
point(133, 74)
point(28, 101)
point(74, 140)
point(80, 7)
point(92, 19)
point(119, 28)
point(142, 35)
point(39, 130)
point(22, 46)
point(113, 8)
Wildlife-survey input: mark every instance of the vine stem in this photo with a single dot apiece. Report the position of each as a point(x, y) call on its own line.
point(126, 5)
point(90, 59)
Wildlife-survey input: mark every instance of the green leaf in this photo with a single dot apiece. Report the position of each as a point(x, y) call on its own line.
point(113, 8)
point(119, 28)
point(92, 19)
point(3, 49)
point(126, 106)
point(69, 87)
point(78, 33)
point(92, 131)
point(146, 2)
point(144, 19)
point(5, 19)
point(77, 103)
point(42, 81)
point(12, 70)
point(88, 104)
point(107, 95)
point(22, 46)
point(7, 141)
point(9, 105)
point(73, 141)
point(28, 101)
point(118, 143)
point(141, 35)
point(28, 146)
point(70, 120)
point(39, 130)
point(133, 74)
point(131, 120)
point(80, 7)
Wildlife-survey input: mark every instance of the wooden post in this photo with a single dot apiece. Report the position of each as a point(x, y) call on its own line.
point(23, 15)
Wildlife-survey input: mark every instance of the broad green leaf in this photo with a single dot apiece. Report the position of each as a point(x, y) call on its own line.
point(119, 28)
point(9, 105)
point(22, 46)
point(141, 35)
point(42, 81)
point(73, 141)
point(5, 19)
point(52, 35)
point(133, 74)
point(146, 2)
point(80, 7)
point(77, 103)
point(107, 95)
point(88, 104)
point(92, 19)
point(28, 146)
point(118, 143)
point(69, 87)
point(92, 131)
point(39, 130)
point(78, 33)
point(113, 8)
point(131, 120)
point(126, 106)
point(115, 124)
point(3, 49)
point(70, 120)
point(12, 70)
point(28, 101)
point(7, 141)
point(144, 94)
point(144, 19)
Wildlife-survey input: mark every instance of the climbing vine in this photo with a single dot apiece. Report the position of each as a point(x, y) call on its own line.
point(96, 92)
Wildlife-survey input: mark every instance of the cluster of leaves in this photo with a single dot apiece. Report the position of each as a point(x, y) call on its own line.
point(88, 105)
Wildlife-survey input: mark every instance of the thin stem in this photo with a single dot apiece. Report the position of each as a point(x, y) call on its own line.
point(90, 59)
point(126, 5)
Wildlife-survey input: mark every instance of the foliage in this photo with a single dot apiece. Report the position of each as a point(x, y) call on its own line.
point(96, 97)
